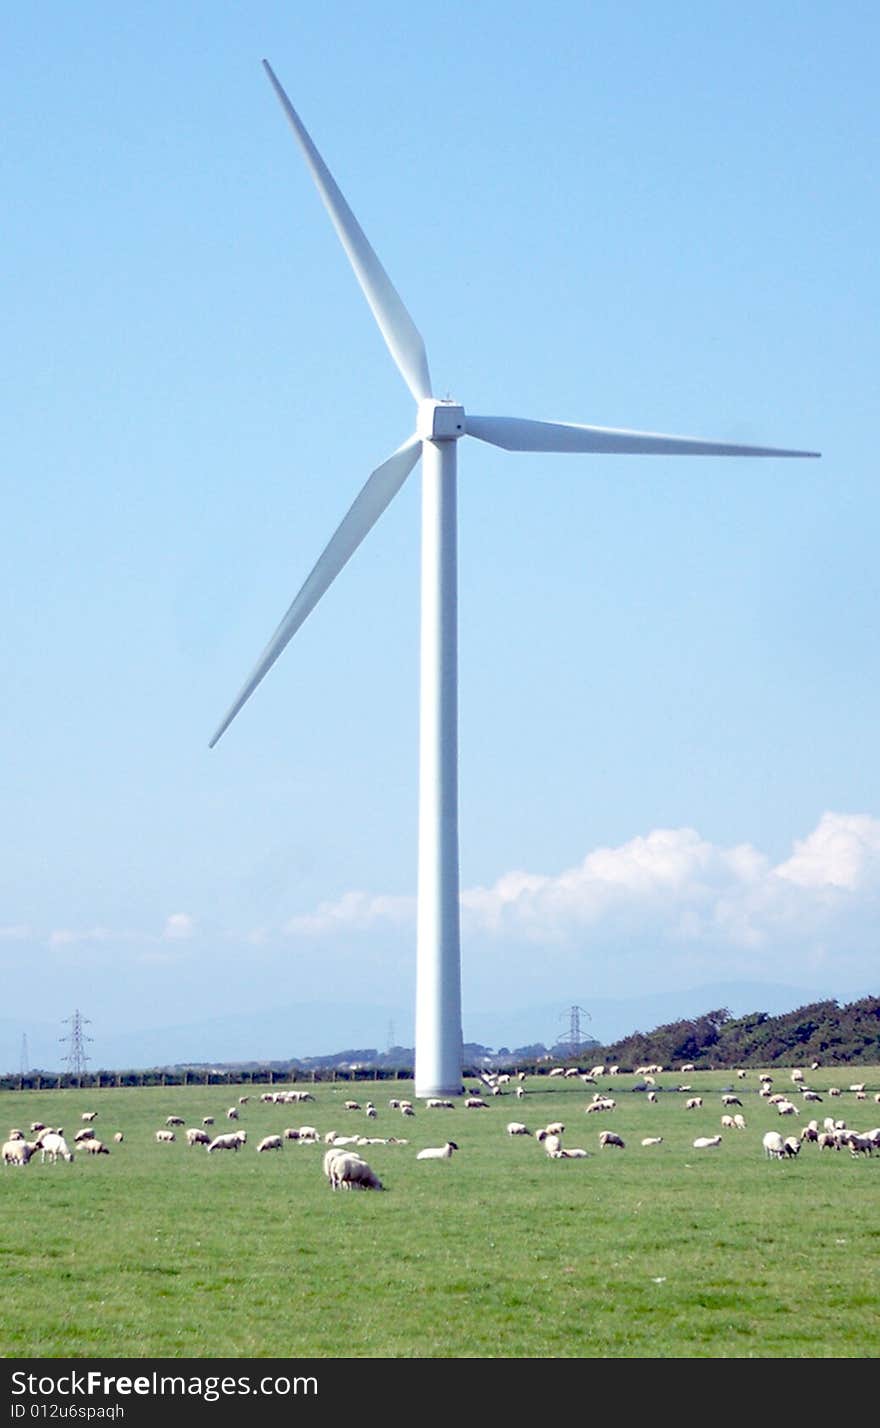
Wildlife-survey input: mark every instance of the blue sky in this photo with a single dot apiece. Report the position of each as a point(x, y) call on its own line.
point(661, 217)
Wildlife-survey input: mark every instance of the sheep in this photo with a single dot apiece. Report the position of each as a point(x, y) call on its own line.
point(194, 1136)
point(118, 1137)
point(353, 1173)
point(652, 1097)
point(407, 1111)
point(557, 1071)
point(520, 1092)
point(232, 1113)
point(89, 1116)
point(243, 1100)
point(207, 1120)
point(786, 1108)
point(601, 1103)
point(742, 1075)
point(834, 1091)
point(688, 1066)
point(37, 1127)
point(309, 1135)
point(18, 1151)
point(694, 1103)
point(164, 1136)
point(552, 1146)
point(857, 1086)
point(791, 1146)
point(653, 1140)
point(827, 1141)
point(291, 1133)
point(607, 1138)
point(797, 1075)
point(16, 1134)
point(394, 1104)
point(707, 1142)
point(434, 1103)
point(810, 1133)
point(476, 1103)
point(269, 1142)
point(82, 1135)
point(731, 1101)
point(174, 1121)
point(555, 1128)
point(95, 1147)
point(351, 1105)
point(739, 1121)
point(575, 1153)
point(233, 1140)
point(438, 1152)
point(727, 1123)
point(53, 1144)
point(517, 1128)
point(812, 1096)
point(774, 1145)
point(372, 1113)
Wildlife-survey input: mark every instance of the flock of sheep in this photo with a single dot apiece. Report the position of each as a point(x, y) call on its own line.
point(345, 1167)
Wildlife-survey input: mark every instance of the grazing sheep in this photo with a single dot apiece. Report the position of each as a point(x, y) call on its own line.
point(694, 1104)
point(727, 1123)
point(232, 1113)
point(291, 1133)
point(85, 1134)
point(95, 1147)
point(164, 1136)
point(353, 1173)
point(653, 1140)
point(351, 1105)
point(174, 1121)
point(787, 1108)
point(52, 1144)
point(834, 1091)
point(520, 1092)
point(857, 1086)
point(575, 1153)
point(434, 1103)
point(707, 1142)
point(731, 1101)
point(18, 1151)
point(742, 1075)
point(309, 1135)
point(812, 1096)
point(89, 1116)
point(243, 1100)
point(194, 1136)
point(207, 1120)
point(16, 1134)
point(372, 1113)
point(652, 1097)
point(269, 1142)
point(407, 1111)
point(555, 1128)
point(739, 1121)
point(517, 1128)
point(438, 1152)
point(607, 1138)
point(791, 1146)
point(233, 1140)
point(810, 1133)
point(118, 1137)
point(37, 1127)
point(797, 1075)
point(552, 1145)
point(557, 1071)
point(476, 1103)
point(774, 1145)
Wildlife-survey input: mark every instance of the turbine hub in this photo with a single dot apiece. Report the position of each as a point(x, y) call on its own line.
point(440, 421)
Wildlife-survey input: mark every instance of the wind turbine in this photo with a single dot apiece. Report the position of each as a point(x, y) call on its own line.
point(440, 424)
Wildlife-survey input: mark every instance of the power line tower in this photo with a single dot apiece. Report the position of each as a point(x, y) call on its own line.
point(24, 1064)
point(76, 1057)
point(573, 1038)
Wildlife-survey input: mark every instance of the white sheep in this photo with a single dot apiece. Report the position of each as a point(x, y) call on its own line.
point(353, 1173)
point(438, 1152)
point(812, 1096)
point(787, 1108)
point(51, 1145)
point(739, 1121)
point(520, 1092)
point(95, 1147)
point(555, 1128)
point(476, 1103)
point(194, 1136)
point(727, 1123)
point(694, 1104)
point(118, 1137)
point(774, 1145)
point(18, 1151)
point(233, 1140)
point(791, 1146)
point(575, 1153)
point(731, 1101)
point(232, 1113)
point(609, 1138)
point(164, 1136)
point(308, 1135)
point(269, 1142)
point(89, 1116)
point(653, 1140)
point(517, 1128)
point(174, 1121)
point(552, 1145)
point(707, 1142)
point(207, 1120)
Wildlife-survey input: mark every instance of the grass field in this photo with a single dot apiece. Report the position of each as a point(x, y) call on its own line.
point(164, 1251)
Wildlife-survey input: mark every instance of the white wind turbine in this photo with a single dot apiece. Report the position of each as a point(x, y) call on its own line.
point(439, 426)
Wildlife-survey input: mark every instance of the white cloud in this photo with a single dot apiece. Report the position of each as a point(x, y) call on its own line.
point(68, 936)
point(842, 852)
point(16, 932)
point(670, 884)
point(178, 927)
point(353, 910)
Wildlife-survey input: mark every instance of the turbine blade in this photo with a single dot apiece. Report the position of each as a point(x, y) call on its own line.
point(377, 493)
point(401, 335)
point(520, 434)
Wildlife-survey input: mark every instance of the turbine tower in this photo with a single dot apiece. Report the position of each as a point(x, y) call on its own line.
point(440, 424)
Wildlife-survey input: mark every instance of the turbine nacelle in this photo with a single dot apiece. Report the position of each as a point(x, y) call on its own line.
point(440, 420)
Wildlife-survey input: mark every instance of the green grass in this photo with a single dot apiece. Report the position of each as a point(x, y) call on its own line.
point(667, 1252)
